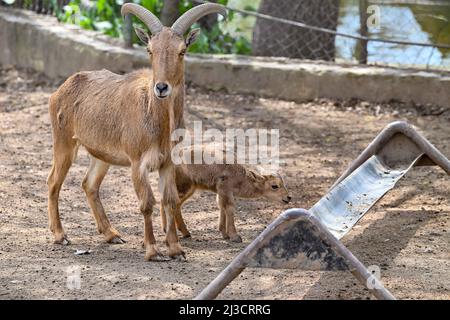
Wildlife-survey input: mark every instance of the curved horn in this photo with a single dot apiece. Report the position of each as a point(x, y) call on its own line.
point(184, 22)
point(148, 18)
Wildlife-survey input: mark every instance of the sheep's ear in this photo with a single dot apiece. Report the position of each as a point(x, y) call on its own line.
point(192, 36)
point(142, 35)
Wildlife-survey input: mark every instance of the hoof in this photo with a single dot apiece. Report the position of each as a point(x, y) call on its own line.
point(63, 240)
point(180, 258)
point(186, 236)
point(156, 257)
point(175, 252)
point(152, 254)
point(236, 238)
point(116, 240)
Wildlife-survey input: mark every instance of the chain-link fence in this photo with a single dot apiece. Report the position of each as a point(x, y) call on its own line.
point(401, 32)
point(274, 38)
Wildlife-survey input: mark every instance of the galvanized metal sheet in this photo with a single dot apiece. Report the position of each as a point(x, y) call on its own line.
point(297, 244)
point(347, 202)
point(309, 240)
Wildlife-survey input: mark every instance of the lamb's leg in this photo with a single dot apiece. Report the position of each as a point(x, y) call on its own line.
point(170, 202)
point(147, 201)
point(184, 195)
point(222, 220)
point(163, 218)
point(181, 226)
point(226, 205)
point(91, 185)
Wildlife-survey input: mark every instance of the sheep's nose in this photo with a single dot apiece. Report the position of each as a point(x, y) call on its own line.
point(287, 199)
point(162, 89)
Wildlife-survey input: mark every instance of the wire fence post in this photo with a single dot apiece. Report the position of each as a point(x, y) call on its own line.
point(361, 47)
point(128, 30)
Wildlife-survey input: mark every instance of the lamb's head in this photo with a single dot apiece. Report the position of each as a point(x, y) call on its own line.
point(167, 46)
point(275, 189)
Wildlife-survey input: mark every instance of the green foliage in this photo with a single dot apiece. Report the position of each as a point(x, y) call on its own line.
point(101, 15)
point(104, 16)
point(217, 41)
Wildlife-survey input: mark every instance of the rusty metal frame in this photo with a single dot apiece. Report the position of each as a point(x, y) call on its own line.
point(310, 239)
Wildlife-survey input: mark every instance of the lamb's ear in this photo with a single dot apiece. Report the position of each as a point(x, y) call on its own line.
point(192, 36)
point(261, 170)
point(142, 35)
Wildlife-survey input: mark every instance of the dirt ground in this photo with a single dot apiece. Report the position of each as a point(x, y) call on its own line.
point(407, 234)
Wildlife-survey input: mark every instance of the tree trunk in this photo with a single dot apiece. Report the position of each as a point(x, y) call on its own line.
point(128, 30)
point(169, 12)
point(271, 38)
point(361, 46)
point(208, 22)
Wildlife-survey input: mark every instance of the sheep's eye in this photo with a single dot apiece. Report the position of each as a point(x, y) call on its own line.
point(275, 187)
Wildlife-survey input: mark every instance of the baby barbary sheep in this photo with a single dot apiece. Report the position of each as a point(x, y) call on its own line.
point(228, 181)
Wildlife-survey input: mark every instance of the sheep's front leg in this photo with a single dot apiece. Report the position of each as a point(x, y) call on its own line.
point(226, 205)
point(146, 201)
point(170, 203)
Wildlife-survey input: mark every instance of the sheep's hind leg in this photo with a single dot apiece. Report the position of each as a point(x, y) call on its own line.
point(91, 185)
point(62, 160)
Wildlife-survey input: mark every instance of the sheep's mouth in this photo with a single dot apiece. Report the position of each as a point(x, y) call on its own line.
point(285, 201)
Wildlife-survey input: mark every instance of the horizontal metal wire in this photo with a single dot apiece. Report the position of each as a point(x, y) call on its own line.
point(336, 33)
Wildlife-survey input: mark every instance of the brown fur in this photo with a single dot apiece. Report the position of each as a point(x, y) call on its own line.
point(120, 121)
point(228, 181)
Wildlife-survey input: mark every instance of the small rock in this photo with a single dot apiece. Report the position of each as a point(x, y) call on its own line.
point(82, 252)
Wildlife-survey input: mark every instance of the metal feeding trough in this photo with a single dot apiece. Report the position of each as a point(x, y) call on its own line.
point(310, 239)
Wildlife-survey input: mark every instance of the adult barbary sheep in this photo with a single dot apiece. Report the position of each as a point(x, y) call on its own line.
point(126, 120)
